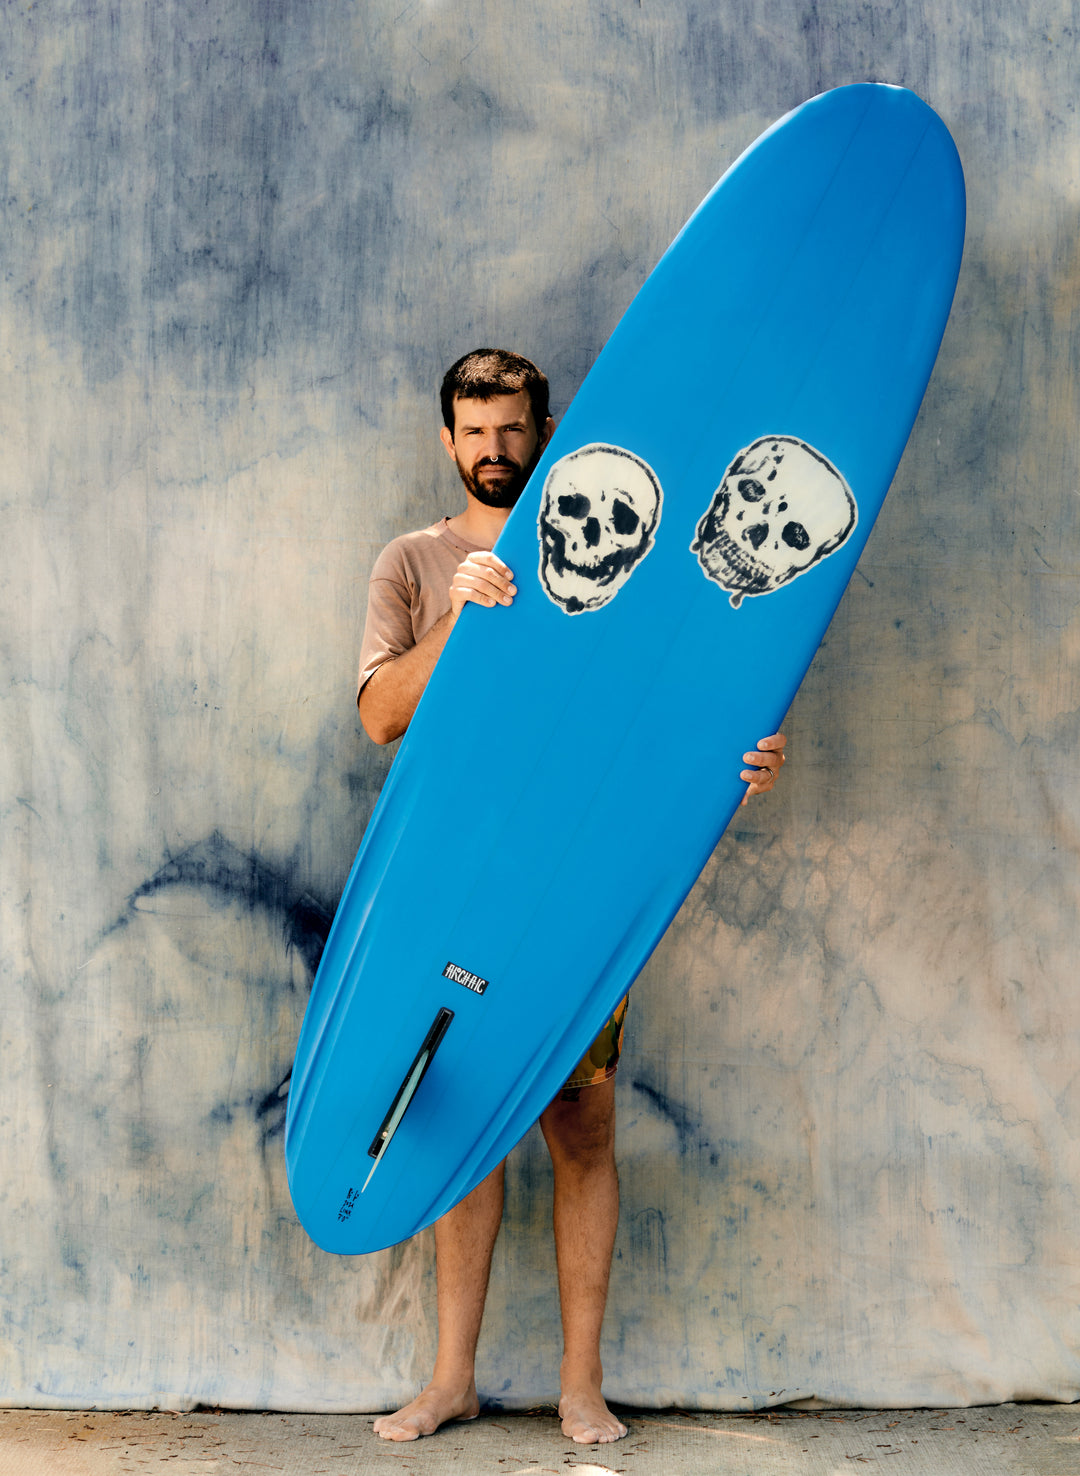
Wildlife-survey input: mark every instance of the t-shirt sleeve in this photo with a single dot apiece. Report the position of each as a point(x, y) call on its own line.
point(388, 628)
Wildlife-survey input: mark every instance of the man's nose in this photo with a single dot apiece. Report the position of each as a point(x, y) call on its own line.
point(494, 444)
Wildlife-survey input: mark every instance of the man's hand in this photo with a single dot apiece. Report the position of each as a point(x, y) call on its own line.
point(481, 579)
point(767, 761)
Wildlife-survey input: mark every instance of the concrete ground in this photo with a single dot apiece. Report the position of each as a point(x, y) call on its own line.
point(1033, 1439)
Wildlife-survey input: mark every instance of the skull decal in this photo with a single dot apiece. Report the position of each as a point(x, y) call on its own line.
point(780, 508)
point(599, 511)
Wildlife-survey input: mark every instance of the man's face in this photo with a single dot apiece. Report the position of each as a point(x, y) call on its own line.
point(495, 445)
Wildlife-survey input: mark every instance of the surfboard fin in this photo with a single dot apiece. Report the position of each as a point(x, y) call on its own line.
point(408, 1088)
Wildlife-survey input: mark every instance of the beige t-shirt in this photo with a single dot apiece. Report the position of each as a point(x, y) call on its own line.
point(409, 591)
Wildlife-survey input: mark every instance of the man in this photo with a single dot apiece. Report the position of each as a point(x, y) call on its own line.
point(496, 425)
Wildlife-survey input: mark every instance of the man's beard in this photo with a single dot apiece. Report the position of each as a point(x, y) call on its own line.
point(504, 492)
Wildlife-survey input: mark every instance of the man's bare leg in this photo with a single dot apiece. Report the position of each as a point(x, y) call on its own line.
point(581, 1138)
point(464, 1240)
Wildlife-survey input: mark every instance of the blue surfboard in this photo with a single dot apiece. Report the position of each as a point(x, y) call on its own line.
point(679, 552)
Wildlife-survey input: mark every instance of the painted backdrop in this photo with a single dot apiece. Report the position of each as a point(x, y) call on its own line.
point(240, 243)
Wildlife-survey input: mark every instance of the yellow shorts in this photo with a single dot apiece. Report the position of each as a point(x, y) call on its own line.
point(601, 1059)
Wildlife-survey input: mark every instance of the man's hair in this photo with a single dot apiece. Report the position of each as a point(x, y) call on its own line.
point(486, 373)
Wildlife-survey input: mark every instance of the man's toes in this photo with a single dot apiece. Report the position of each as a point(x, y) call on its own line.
point(387, 1431)
point(599, 1434)
point(605, 1436)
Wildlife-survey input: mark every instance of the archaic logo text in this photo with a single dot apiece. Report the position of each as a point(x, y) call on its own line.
point(463, 976)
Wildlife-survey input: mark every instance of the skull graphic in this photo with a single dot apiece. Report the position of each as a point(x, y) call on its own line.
point(780, 508)
point(599, 511)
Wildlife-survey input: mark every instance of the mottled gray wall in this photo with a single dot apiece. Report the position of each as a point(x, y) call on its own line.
point(239, 245)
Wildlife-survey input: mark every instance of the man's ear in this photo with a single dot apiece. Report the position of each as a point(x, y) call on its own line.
point(448, 441)
point(546, 433)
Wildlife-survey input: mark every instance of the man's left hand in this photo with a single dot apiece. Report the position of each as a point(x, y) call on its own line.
point(767, 761)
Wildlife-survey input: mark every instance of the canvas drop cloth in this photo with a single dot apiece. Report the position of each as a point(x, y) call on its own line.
point(240, 244)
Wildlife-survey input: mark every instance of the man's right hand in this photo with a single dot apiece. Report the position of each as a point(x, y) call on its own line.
point(481, 579)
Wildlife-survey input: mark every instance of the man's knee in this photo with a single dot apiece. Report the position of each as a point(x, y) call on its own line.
point(582, 1132)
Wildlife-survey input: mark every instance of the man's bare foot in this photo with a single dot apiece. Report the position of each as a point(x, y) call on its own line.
point(432, 1407)
point(587, 1419)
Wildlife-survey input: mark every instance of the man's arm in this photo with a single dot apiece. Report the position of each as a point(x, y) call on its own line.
point(390, 696)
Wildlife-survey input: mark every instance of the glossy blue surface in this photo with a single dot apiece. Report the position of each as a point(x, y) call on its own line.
point(527, 832)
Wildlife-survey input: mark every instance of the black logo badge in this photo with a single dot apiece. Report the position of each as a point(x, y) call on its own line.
point(463, 976)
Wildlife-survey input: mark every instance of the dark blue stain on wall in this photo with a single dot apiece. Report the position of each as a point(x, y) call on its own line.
point(299, 188)
point(232, 876)
point(236, 876)
point(806, 53)
point(211, 187)
point(689, 1126)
